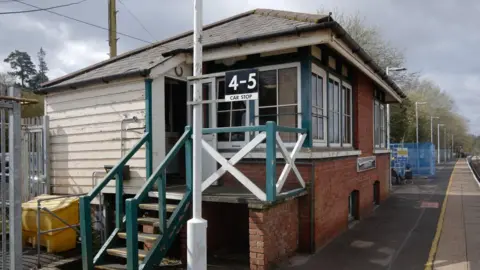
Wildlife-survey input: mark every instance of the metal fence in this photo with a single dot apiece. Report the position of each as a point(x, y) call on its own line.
point(10, 176)
point(420, 158)
point(35, 157)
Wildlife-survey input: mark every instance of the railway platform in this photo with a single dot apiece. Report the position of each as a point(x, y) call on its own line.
point(433, 223)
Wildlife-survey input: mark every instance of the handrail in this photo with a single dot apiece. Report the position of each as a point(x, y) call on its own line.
point(291, 129)
point(94, 192)
point(143, 192)
point(85, 218)
point(233, 129)
point(252, 129)
point(131, 205)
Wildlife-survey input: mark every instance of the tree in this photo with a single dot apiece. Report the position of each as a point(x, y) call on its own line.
point(41, 76)
point(403, 120)
point(22, 65)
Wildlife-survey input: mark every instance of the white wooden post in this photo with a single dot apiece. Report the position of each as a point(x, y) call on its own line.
point(197, 226)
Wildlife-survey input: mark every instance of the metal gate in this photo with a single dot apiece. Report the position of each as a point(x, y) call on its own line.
point(34, 157)
point(10, 176)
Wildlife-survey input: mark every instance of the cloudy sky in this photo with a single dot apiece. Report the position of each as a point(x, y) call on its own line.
point(439, 38)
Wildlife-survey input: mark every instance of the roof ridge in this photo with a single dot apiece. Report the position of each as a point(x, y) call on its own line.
point(291, 15)
point(142, 49)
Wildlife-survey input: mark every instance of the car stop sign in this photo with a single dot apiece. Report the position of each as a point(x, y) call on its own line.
point(241, 85)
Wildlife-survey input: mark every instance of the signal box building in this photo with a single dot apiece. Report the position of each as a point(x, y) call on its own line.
point(284, 173)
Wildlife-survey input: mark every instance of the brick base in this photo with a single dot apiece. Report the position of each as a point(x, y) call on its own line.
point(273, 234)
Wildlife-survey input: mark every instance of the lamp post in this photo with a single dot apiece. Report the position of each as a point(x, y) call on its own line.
point(445, 142)
point(452, 145)
point(197, 226)
point(387, 71)
point(438, 142)
point(431, 126)
point(416, 118)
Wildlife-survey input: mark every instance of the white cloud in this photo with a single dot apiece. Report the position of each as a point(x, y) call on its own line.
point(76, 54)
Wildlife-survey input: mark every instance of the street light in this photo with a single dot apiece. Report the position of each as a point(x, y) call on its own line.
point(438, 141)
point(416, 117)
point(395, 69)
point(431, 126)
point(445, 140)
point(388, 69)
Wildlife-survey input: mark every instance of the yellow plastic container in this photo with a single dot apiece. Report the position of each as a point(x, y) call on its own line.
point(58, 241)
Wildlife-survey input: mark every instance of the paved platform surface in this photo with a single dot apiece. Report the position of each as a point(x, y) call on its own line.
point(398, 235)
point(459, 233)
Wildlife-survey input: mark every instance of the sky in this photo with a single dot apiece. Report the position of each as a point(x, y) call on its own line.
point(439, 38)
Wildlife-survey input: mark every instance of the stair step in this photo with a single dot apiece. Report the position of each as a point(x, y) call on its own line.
point(122, 252)
point(142, 237)
point(154, 207)
point(149, 221)
point(177, 196)
point(111, 267)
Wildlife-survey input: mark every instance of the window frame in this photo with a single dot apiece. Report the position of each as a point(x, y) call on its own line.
point(380, 142)
point(230, 144)
point(349, 87)
point(339, 81)
point(256, 107)
point(318, 71)
point(299, 95)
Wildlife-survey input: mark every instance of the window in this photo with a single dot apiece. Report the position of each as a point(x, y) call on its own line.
point(333, 111)
point(319, 112)
point(380, 126)
point(339, 112)
point(347, 114)
point(230, 114)
point(278, 98)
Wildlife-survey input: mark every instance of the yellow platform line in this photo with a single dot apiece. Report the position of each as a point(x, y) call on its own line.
point(436, 239)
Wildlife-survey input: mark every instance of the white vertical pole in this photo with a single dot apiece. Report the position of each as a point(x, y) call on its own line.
point(15, 184)
point(416, 119)
point(445, 142)
point(388, 146)
point(452, 145)
point(197, 227)
point(431, 129)
point(438, 143)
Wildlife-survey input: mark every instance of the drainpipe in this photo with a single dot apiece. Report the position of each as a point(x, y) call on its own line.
point(312, 208)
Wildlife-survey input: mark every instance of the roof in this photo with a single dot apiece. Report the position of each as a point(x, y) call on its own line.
point(255, 24)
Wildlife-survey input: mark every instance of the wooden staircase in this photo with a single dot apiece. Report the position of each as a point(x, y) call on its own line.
point(129, 247)
point(149, 219)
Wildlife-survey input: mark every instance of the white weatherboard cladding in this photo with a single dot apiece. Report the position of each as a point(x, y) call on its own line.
point(92, 127)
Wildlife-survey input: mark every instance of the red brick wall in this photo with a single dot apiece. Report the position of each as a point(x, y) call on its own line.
point(334, 181)
point(273, 234)
point(363, 117)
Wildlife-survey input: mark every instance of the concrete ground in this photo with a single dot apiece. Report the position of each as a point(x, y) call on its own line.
point(398, 235)
point(459, 237)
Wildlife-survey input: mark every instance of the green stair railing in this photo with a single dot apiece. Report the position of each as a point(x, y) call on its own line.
point(85, 208)
point(168, 229)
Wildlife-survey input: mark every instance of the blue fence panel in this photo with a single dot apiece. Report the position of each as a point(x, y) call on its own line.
point(421, 158)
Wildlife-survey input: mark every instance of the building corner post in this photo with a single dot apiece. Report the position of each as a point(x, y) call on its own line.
point(148, 126)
